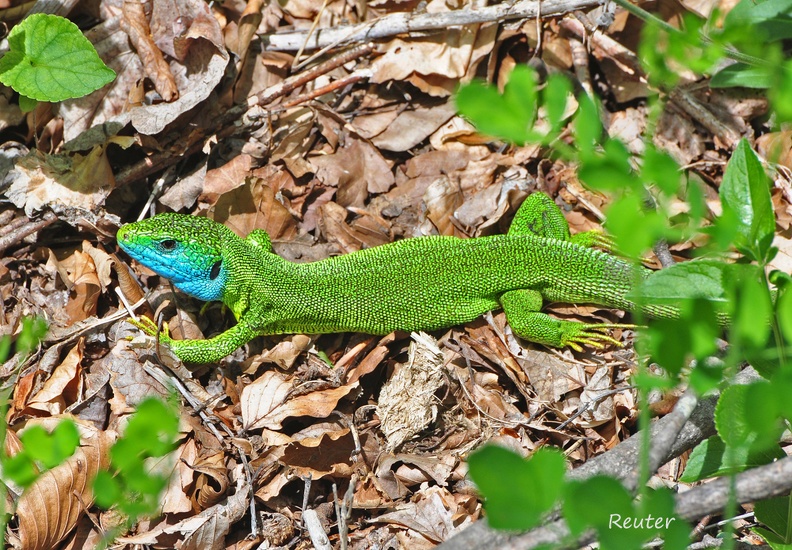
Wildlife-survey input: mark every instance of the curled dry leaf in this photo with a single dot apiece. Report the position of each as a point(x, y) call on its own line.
point(212, 481)
point(204, 531)
point(51, 507)
point(61, 388)
point(135, 23)
point(264, 402)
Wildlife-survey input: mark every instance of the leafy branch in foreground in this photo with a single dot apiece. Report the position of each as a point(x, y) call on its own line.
point(707, 292)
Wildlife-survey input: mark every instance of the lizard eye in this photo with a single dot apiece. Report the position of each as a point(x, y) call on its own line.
point(168, 244)
point(215, 270)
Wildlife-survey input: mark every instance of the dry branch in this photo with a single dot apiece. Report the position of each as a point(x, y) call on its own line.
point(405, 23)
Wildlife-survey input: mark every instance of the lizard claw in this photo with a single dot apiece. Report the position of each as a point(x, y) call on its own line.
point(592, 335)
point(150, 328)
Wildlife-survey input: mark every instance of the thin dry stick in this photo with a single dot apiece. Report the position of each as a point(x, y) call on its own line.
point(340, 83)
point(273, 92)
point(310, 32)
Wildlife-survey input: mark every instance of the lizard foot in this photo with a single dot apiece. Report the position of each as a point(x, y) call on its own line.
point(577, 335)
point(150, 328)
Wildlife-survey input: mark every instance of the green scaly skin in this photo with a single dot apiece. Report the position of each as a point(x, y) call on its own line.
point(425, 283)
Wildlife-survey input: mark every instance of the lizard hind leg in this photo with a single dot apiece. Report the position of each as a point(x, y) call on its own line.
point(539, 215)
point(522, 311)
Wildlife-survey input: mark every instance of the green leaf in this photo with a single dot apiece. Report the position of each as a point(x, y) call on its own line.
point(51, 449)
point(694, 333)
point(509, 116)
point(708, 460)
point(742, 75)
point(661, 169)
point(745, 191)
point(610, 171)
point(733, 428)
point(65, 438)
point(784, 312)
point(107, 490)
point(595, 502)
point(555, 97)
point(768, 20)
point(33, 330)
point(588, 126)
point(752, 306)
point(26, 104)
point(49, 59)
point(780, 99)
point(774, 541)
point(20, 469)
point(774, 513)
point(517, 491)
point(686, 280)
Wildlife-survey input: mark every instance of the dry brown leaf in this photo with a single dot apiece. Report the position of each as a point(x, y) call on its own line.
point(431, 515)
point(357, 169)
point(257, 205)
point(293, 139)
point(135, 23)
point(776, 147)
point(79, 274)
point(437, 468)
point(225, 178)
point(412, 126)
point(442, 198)
point(177, 468)
point(264, 402)
point(50, 508)
point(435, 63)
point(328, 454)
point(337, 231)
point(212, 481)
point(204, 531)
point(283, 354)
point(75, 185)
point(62, 387)
point(600, 410)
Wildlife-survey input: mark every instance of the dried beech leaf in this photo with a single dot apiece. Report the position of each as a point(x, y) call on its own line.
point(51, 507)
point(264, 403)
point(135, 23)
point(61, 385)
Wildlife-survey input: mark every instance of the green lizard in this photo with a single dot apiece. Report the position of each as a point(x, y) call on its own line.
point(424, 283)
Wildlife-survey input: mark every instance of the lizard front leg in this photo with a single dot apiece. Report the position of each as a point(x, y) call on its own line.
point(522, 311)
point(201, 351)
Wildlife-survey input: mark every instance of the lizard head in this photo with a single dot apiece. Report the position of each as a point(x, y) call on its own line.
point(187, 250)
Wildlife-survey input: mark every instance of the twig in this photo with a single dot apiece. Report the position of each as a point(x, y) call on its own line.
point(316, 531)
point(267, 96)
point(406, 23)
point(336, 84)
point(16, 236)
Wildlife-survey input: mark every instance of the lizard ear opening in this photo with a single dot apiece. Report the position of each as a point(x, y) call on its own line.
point(215, 269)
